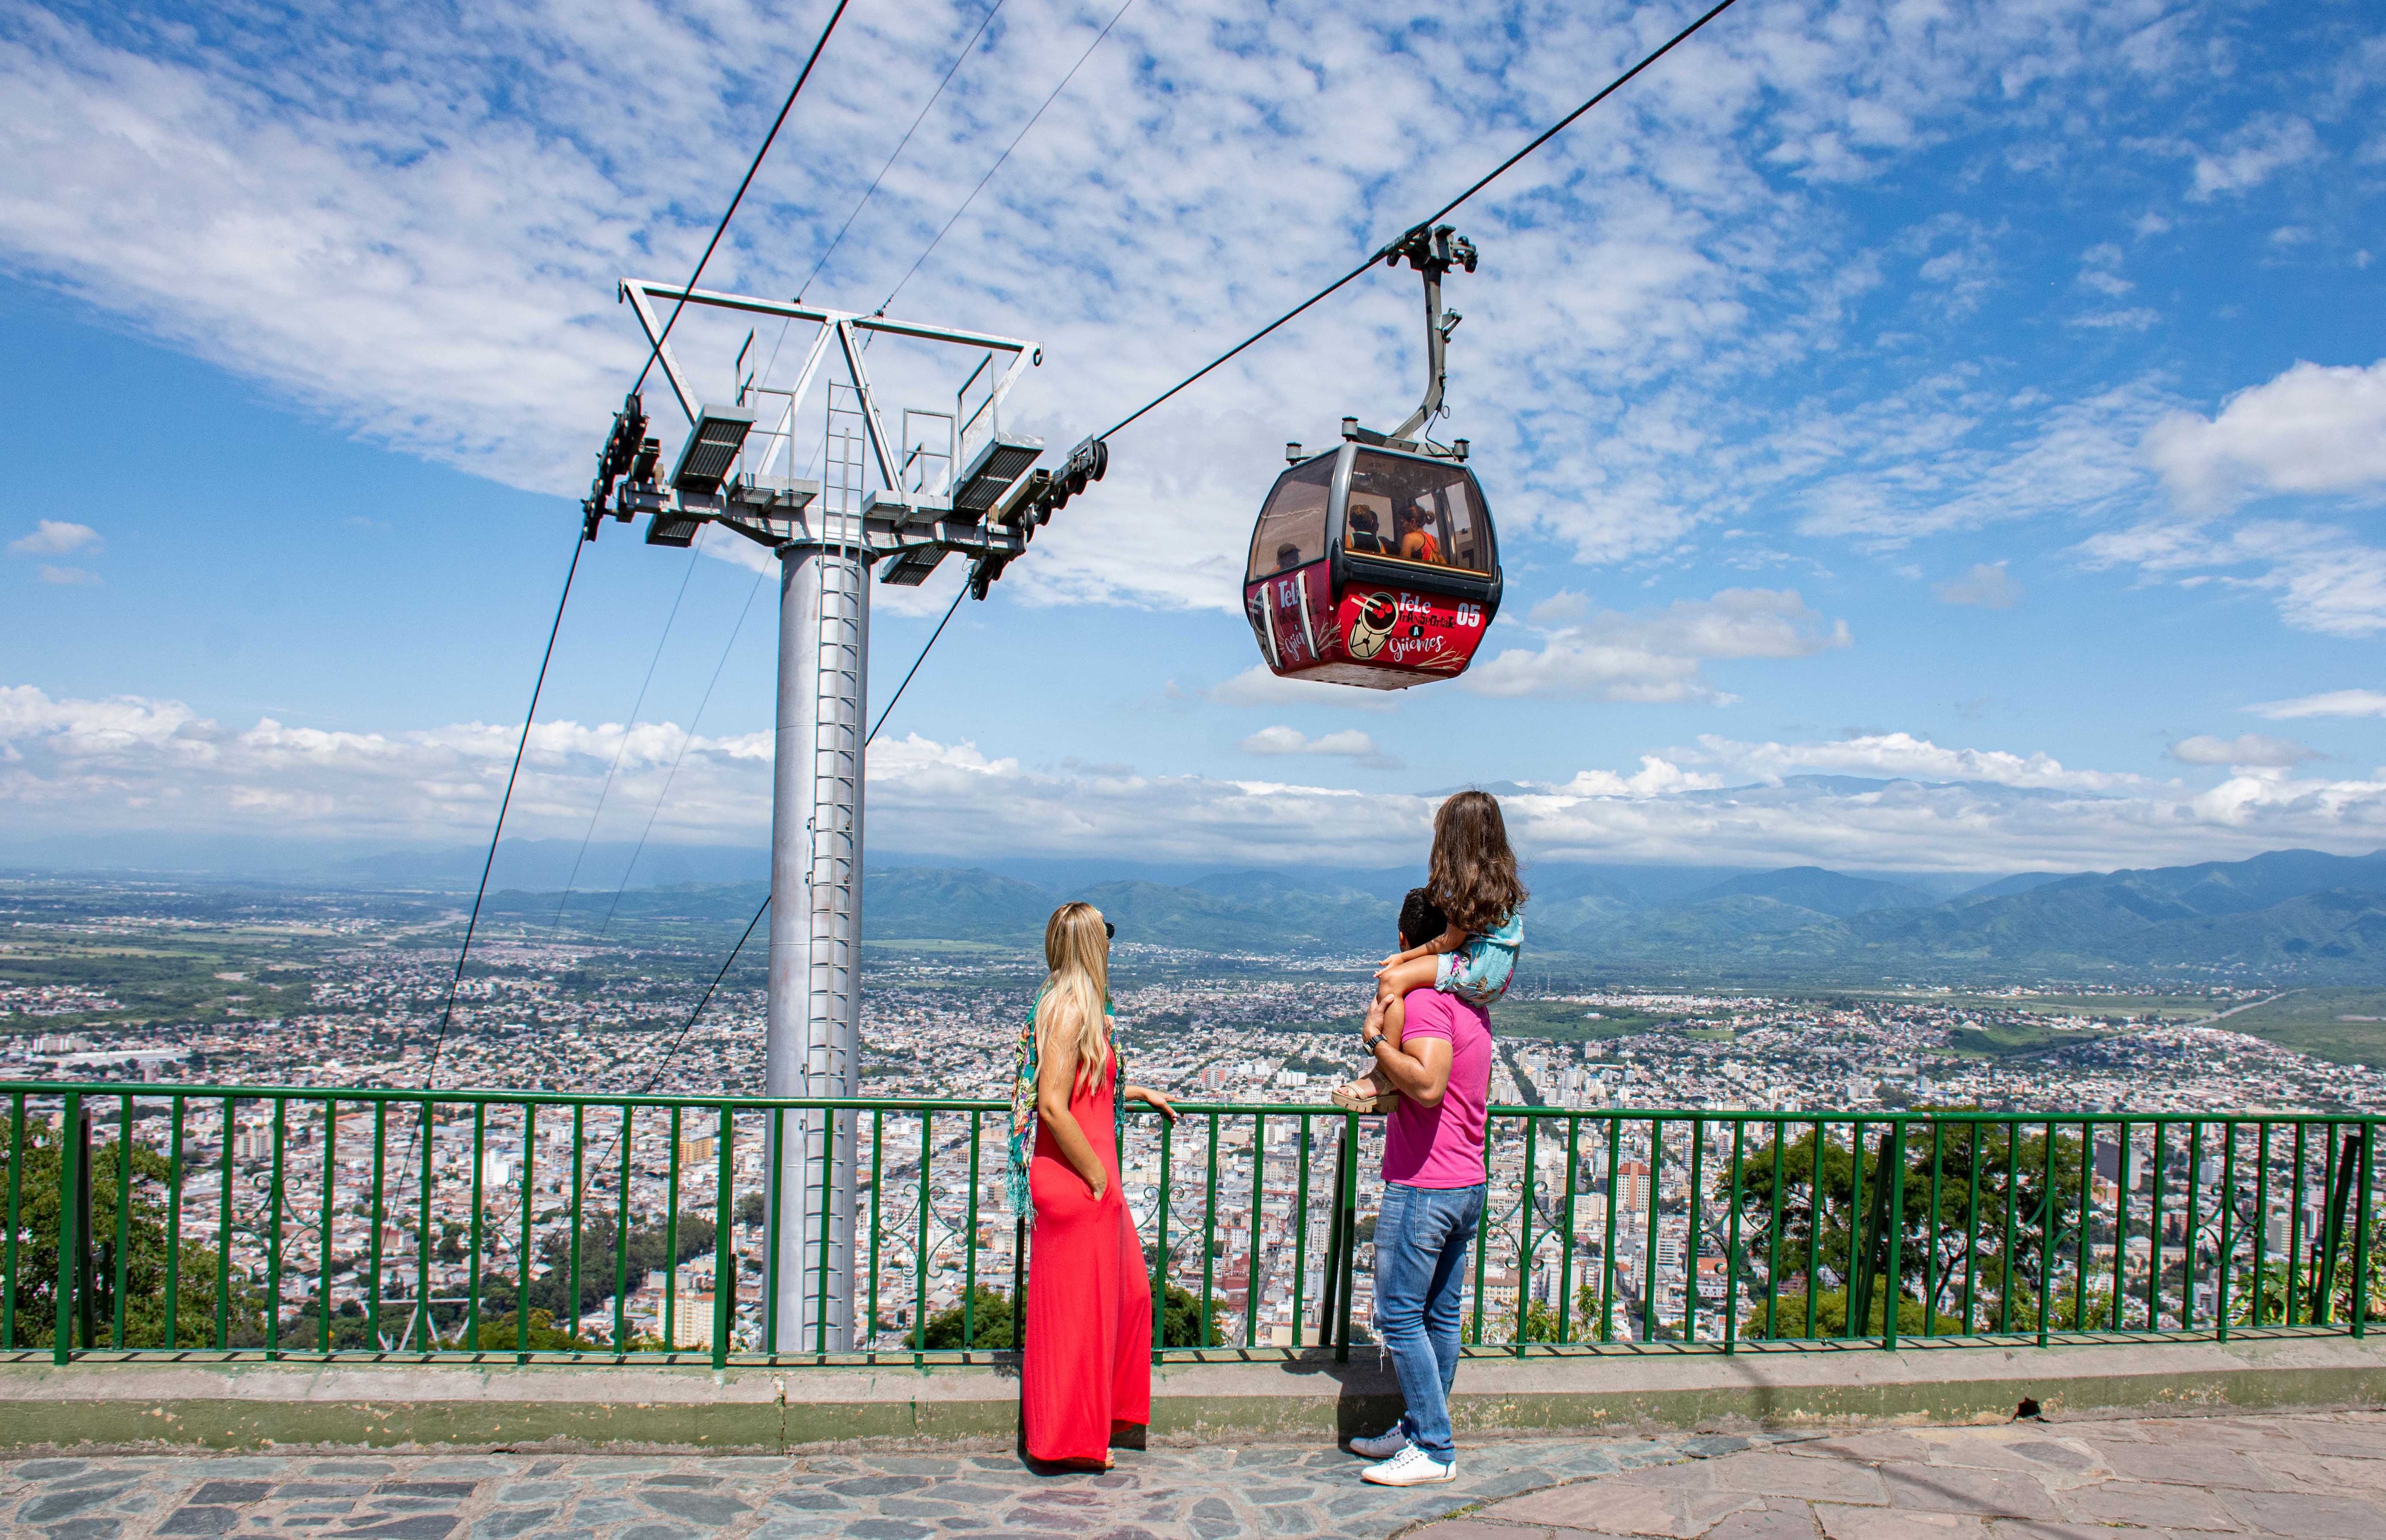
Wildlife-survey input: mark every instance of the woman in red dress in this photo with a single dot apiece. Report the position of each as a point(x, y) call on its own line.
point(1087, 1372)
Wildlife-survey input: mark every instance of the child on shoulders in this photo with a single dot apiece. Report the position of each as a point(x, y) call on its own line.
point(1473, 882)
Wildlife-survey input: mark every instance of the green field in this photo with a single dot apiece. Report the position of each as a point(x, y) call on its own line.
point(162, 973)
point(2005, 1039)
point(2313, 1021)
point(2096, 1007)
point(1567, 1021)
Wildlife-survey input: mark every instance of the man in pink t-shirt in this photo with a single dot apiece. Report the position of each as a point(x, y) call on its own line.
point(1434, 1178)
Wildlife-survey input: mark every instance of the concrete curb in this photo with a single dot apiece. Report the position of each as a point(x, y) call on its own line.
point(96, 1406)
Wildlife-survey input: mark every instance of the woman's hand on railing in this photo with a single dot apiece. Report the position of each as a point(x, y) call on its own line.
point(1157, 1101)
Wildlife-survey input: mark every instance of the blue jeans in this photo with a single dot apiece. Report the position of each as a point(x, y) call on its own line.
point(1422, 1235)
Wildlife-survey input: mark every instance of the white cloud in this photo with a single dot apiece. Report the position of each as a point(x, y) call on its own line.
point(1949, 458)
point(56, 537)
point(2248, 156)
point(2251, 750)
point(1902, 754)
point(1655, 655)
point(2314, 429)
point(413, 229)
point(2321, 579)
point(1256, 686)
point(1987, 586)
point(1656, 777)
point(2331, 703)
point(69, 577)
point(71, 765)
point(1349, 743)
point(2100, 269)
point(2136, 318)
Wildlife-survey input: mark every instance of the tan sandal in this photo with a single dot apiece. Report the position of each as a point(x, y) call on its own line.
point(1363, 1096)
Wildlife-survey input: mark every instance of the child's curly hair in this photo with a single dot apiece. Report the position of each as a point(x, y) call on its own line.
point(1473, 876)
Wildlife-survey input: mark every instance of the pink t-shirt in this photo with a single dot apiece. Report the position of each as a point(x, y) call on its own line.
point(1442, 1146)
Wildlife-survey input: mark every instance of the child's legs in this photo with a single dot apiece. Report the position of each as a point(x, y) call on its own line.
point(1392, 988)
point(1476, 972)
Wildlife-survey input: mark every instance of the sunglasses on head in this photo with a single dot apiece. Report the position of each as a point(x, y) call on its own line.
point(1109, 932)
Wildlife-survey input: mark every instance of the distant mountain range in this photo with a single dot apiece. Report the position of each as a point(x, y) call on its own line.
point(2290, 916)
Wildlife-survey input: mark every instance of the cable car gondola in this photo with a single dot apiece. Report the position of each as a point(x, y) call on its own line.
point(1375, 563)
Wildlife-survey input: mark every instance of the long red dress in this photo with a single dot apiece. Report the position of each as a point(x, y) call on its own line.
point(1088, 1358)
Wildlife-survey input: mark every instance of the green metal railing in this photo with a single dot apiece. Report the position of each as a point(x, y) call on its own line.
point(310, 1223)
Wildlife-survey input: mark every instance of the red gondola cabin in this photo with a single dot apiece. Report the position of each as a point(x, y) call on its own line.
point(1373, 565)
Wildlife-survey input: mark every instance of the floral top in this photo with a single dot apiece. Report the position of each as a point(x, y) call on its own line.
point(1023, 1107)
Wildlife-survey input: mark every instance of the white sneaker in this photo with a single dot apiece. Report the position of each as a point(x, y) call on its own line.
point(1411, 1467)
point(1384, 1446)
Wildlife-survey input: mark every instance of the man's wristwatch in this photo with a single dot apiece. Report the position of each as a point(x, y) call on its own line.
point(1369, 1043)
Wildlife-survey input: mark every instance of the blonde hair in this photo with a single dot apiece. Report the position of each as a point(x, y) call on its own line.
point(1077, 951)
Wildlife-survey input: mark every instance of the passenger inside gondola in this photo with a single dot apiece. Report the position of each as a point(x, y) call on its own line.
point(1288, 557)
point(1417, 542)
point(1366, 535)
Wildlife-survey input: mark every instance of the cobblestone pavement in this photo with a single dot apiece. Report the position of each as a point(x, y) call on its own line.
point(1166, 1494)
point(2320, 1476)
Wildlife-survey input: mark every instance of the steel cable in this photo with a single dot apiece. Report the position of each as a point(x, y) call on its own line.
point(897, 154)
point(1485, 181)
point(1005, 156)
point(447, 1011)
point(722, 228)
point(629, 725)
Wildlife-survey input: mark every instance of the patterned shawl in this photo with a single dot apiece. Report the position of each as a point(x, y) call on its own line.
point(1023, 1107)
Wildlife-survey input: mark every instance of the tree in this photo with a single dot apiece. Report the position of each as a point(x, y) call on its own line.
point(1824, 1241)
point(991, 1321)
point(1831, 1317)
point(1180, 1324)
point(36, 1284)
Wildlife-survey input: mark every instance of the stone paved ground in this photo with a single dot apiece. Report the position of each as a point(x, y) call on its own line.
point(1168, 1494)
point(2306, 1476)
point(2322, 1475)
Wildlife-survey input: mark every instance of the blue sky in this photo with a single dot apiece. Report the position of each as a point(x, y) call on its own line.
point(1992, 397)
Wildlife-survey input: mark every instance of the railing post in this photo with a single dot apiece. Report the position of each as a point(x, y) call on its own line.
point(2228, 1229)
point(1524, 1234)
point(1893, 1205)
point(1018, 1284)
point(120, 1270)
point(2361, 1233)
point(522, 1261)
point(1565, 1245)
point(1209, 1234)
point(272, 1235)
point(1300, 1231)
point(1649, 1256)
point(84, 1283)
point(70, 1233)
point(2121, 1214)
point(1349, 1191)
point(1731, 1242)
point(1330, 1280)
point(2046, 1233)
point(724, 1255)
point(969, 1244)
point(2324, 1285)
point(16, 1137)
point(1607, 1240)
point(1158, 1235)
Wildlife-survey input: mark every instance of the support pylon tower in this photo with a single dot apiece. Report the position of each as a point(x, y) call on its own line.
point(897, 508)
point(814, 1013)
